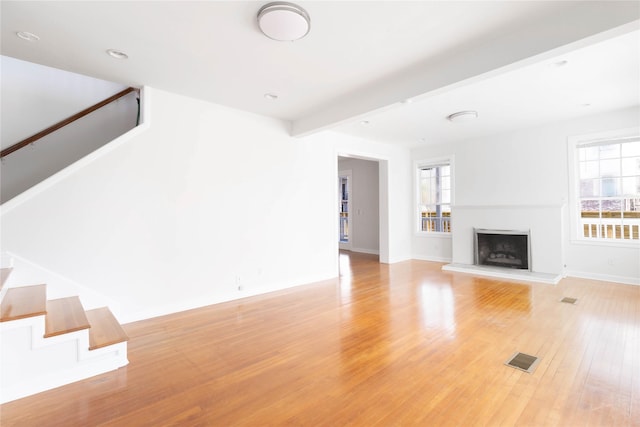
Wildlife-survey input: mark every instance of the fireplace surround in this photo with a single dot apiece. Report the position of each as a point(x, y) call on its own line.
point(502, 248)
point(543, 224)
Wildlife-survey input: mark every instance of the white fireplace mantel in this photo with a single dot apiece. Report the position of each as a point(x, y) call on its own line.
point(544, 223)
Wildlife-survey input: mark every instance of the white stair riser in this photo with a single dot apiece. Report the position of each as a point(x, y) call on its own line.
point(32, 363)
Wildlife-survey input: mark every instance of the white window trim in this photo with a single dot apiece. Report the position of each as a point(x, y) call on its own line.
point(417, 165)
point(574, 185)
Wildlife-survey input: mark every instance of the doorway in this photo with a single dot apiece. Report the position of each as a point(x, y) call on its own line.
point(359, 205)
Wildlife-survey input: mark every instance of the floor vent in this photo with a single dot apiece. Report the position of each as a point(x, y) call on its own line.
point(523, 362)
point(569, 300)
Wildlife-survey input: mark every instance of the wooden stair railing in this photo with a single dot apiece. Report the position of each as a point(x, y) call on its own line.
point(63, 123)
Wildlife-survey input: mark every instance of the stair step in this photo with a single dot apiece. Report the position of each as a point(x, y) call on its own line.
point(4, 273)
point(26, 301)
point(105, 329)
point(65, 315)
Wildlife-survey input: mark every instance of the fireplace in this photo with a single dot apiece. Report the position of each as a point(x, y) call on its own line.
point(502, 248)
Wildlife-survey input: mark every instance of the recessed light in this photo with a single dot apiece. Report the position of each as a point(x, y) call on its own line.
point(25, 35)
point(561, 63)
point(271, 96)
point(117, 54)
point(463, 116)
point(364, 122)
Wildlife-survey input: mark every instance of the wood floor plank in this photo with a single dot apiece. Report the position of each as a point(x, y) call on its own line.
point(401, 344)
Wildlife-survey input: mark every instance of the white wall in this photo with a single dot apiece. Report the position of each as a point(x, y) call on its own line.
point(35, 97)
point(529, 169)
point(364, 226)
point(207, 200)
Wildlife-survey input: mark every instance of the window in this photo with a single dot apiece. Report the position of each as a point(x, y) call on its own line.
point(434, 196)
point(344, 184)
point(608, 189)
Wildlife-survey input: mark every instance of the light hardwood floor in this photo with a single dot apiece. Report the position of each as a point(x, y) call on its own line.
point(405, 344)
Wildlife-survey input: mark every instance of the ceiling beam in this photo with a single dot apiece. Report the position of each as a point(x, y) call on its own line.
point(583, 24)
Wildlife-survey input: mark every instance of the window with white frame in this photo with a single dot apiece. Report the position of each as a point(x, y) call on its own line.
point(607, 189)
point(434, 196)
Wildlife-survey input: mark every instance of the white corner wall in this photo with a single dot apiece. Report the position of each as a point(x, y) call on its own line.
point(207, 204)
point(394, 185)
point(522, 173)
point(206, 201)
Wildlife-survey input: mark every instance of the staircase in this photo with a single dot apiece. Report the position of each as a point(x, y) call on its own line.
point(50, 343)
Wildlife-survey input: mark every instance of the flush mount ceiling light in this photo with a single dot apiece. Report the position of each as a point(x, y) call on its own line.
point(462, 116)
point(25, 35)
point(283, 21)
point(117, 54)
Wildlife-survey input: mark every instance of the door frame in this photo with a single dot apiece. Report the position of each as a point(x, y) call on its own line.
point(383, 201)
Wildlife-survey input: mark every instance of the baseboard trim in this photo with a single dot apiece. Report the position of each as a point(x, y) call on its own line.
point(604, 277)
point(431, 258)
point(128, 317)
point(365, 251)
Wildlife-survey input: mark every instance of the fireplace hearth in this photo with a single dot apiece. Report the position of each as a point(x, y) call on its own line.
point(502, 248)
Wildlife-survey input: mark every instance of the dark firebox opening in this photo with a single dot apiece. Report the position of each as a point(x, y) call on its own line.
point(502, 250)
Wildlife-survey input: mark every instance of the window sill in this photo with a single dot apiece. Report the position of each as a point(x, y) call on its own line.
point(607, 243)
point(434, 234)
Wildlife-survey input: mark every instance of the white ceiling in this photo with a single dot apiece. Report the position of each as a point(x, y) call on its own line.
point(595, 79)
point(358, 61)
